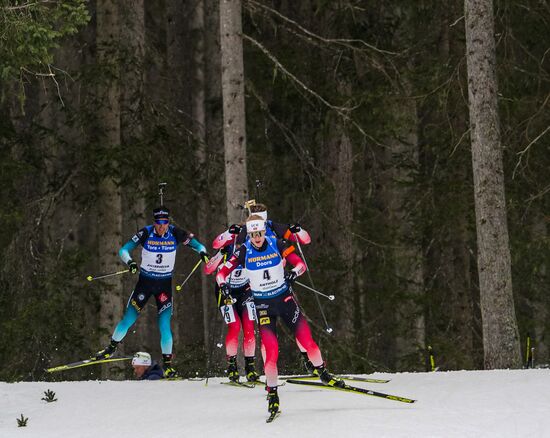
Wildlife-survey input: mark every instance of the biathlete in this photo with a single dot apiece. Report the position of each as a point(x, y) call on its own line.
point(236, 234)
point(238, 314)
point(159, 243)
point(263, 258)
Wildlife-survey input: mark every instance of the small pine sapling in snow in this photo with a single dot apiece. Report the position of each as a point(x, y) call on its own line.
point(50, 396)
point(22, 422)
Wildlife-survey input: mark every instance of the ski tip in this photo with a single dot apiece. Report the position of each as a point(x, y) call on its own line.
point(272, 416)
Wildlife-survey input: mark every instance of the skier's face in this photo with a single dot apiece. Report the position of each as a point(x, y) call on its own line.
point(161, 226)
point(257, 238)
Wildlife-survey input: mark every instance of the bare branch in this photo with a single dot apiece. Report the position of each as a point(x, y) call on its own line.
point(28, 5)
point(342, 41)
point(342, 111)
point(521, 153)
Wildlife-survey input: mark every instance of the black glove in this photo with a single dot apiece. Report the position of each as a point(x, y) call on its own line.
point(290, 276)
point(225, 290)
point(235, 229)
point(204, 257)
point(133, 266)
point(295, 228)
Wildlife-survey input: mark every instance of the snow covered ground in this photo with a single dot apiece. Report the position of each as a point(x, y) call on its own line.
point(450, 404)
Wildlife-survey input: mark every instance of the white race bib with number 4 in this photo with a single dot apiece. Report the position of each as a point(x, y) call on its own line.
point(228, 314)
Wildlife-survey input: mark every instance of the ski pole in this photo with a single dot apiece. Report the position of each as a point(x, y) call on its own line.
point(162, 185)
point(179, 286)
point(328, 328)
point(330, 297)
point(91, 278)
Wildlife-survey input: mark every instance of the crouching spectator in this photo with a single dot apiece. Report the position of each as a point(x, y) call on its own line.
point(145, 368)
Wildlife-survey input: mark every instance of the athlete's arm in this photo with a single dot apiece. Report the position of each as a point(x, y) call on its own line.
point(238, 258)
point(288, 252)
point(283, 232)
point(224, 239)
point(188, 239)
point(213, 263)
point(139, 238)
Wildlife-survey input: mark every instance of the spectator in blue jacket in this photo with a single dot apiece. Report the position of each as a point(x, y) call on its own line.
point(145, 368)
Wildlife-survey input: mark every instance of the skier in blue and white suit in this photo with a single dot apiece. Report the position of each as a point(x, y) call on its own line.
point(158, 256)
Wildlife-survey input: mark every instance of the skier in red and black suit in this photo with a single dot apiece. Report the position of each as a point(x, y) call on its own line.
point(236, 235)
point(239, 314)
point(263, 257)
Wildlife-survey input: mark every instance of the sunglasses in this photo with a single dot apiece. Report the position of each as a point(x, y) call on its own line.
point(256, 233)
point(161, 221)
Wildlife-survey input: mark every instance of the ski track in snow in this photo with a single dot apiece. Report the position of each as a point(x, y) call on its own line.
point(503, 403)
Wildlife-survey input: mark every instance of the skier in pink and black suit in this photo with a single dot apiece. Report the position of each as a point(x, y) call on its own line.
point(239, 314)
point(236, 234)
point(263, 257)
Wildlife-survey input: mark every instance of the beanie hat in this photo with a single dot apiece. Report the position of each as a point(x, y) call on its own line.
point(161, 213)
point(142, 358)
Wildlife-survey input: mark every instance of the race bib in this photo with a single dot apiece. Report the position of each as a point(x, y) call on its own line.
point(228, 314)
point(251, 308)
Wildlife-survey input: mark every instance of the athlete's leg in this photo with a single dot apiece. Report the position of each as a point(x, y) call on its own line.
point(165, 309)
point(246, 311)
point(249, 336)
point(232, 336)
point(295, 320)
point(137, 301)
point(270, 345)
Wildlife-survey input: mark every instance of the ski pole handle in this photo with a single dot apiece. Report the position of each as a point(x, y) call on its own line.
point(91, 278)
point(179, 286)
point(330, 297)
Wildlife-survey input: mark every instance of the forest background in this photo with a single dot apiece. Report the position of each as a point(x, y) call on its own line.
point(357, 126)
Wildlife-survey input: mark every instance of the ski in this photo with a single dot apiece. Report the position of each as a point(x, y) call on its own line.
point(84, 363)
point(354, 389)
point(272, 416)
point(239, 384)
point(354, 378)
point(262, 384)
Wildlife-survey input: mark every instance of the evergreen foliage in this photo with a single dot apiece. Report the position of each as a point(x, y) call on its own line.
point(315, 72)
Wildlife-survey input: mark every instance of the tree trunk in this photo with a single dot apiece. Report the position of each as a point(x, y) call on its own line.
point(340, 166)
point(132, 46)
point(198, 112)
point(109, 202)
point(403, 160)
point(234, 132)
point(500, 331)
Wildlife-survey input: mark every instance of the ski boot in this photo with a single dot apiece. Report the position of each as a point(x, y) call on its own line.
point(307, 363)
point(272, 399)
point(250, 369)
point(107, 352)
point(232, 369)
point(327, 378)
point(169, 371)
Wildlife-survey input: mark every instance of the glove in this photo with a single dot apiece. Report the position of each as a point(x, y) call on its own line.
point(295, 228)
point(235, 229)
point(225, 290)
point(204, 257)
point(133, 266)
point(290, 276)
